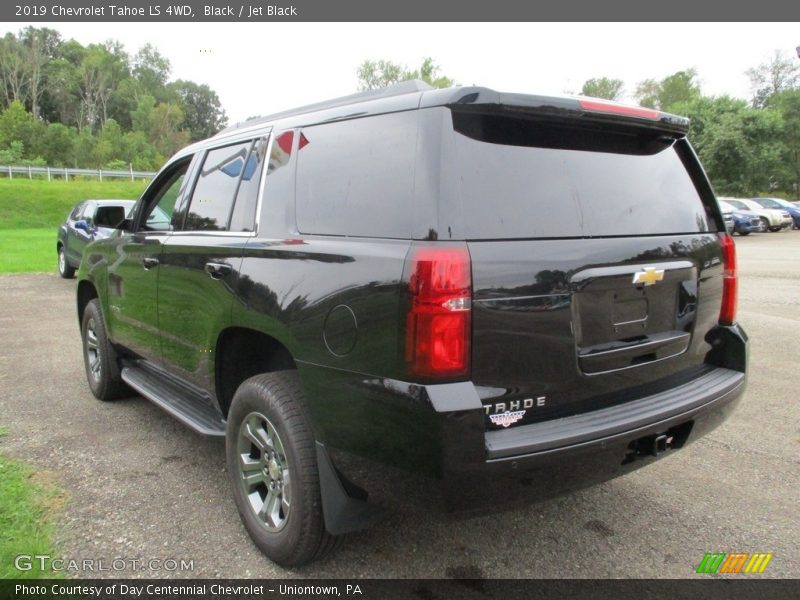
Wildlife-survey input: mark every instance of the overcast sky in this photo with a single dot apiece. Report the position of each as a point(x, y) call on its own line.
point(261, 68)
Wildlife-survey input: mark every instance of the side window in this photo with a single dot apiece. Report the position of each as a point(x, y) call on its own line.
point(244, 209)
point(160, 208)
point(75, 214)
point(356, 177)
point(87, 214)
point(215, 190)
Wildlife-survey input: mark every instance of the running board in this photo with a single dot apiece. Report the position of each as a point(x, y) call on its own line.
point(190, 410)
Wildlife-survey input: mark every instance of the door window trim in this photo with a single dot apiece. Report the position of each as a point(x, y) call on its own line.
point(261, 185)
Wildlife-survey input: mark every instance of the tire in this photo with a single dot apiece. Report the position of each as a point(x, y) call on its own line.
point(774, 229)
point(66, 270)
point(99, 357)
point(764, 224)
point(744, 233)
point(271, 457)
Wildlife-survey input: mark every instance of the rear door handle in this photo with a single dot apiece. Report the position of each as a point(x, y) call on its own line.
point(218, 270)
point(148, 262)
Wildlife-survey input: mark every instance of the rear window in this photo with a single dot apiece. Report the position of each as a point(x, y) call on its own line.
point(525, 178)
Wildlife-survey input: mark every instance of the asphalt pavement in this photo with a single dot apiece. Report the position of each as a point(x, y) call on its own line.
point(141, 487)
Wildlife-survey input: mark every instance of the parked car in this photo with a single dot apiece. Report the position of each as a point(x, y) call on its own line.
point(774, 220)
point(88, 221)
point(743, 222)
point(780, 204)
point(412, 295)
point(729, 224)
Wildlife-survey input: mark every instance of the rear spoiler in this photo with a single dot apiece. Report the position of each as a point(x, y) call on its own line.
point(590, 109)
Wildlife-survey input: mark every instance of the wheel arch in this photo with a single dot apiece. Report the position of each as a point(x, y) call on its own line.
point(242, 352)
point(86, 293)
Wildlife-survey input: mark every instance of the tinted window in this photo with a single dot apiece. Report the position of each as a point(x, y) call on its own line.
point(519, 178)
point(738, 204)
point(357, 177)
point(212, 200)
point(161, 201)
point(244, 210)
point(767, 203)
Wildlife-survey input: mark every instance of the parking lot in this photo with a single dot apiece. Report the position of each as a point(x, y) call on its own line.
point(142, 486)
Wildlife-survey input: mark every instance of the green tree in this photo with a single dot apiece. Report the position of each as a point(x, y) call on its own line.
point(203, 115)
point(151, 70)
point(140, 153)
point(739, 146)
point(57, 145)
point(678, 87)
point(603, 87)
point(83, 150)
point(18, 125)
point(40, 46)
point(61, 100)
point(109, 145)
point(96, 85)
point(165, 133)
point(787, 103)
point(12, 69)
point(378, 74)
point(142, 116)
point(780, 73)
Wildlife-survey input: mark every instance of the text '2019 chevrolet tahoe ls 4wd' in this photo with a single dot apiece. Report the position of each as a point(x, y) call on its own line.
point(474, 288)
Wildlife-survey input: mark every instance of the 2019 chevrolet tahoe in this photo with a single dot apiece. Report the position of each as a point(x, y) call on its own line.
point(487, 293)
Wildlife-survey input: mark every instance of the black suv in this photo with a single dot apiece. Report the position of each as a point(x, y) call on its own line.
point(503, 295)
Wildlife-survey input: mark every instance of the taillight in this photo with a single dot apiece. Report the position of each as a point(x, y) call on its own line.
point(727, 313)
point(619, 109)
point(438, 324)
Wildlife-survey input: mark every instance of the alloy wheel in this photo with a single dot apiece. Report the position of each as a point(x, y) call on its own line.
point(264, 471)
point(93, 358)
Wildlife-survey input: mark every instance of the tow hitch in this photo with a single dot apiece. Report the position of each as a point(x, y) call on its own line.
point(658, 444)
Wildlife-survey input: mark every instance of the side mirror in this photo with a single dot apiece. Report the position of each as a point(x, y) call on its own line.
point(125, 225)
point(82, 224)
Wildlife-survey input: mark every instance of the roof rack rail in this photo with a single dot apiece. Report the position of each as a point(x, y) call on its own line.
point(396, 89)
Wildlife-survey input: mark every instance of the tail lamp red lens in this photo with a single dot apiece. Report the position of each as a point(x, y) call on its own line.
point(727, 313)
point(619, 109)
point(438, 324)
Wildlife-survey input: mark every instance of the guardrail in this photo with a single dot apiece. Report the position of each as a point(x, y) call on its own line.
point(65, 173)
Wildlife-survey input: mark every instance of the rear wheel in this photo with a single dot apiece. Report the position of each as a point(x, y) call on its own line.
point(99, 356)
point(66, 270)
point(272, 461)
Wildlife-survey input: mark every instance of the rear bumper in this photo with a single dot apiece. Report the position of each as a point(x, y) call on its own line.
point(629, 421)
point(438, 453)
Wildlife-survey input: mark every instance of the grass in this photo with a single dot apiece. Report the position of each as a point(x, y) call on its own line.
point(32, 210)
point(38, 203)
point(28, 505)
point(28, 251)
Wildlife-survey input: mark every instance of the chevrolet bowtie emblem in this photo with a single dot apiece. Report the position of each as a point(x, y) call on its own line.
point(649, 276)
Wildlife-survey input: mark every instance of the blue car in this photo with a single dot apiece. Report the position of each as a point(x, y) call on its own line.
point(743, 222)
point(88, 221)
point(781, 204)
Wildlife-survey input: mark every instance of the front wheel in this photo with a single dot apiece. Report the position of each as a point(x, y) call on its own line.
point(66, 270)
point(272, 462)
point(99, 356)
point(744, 233)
